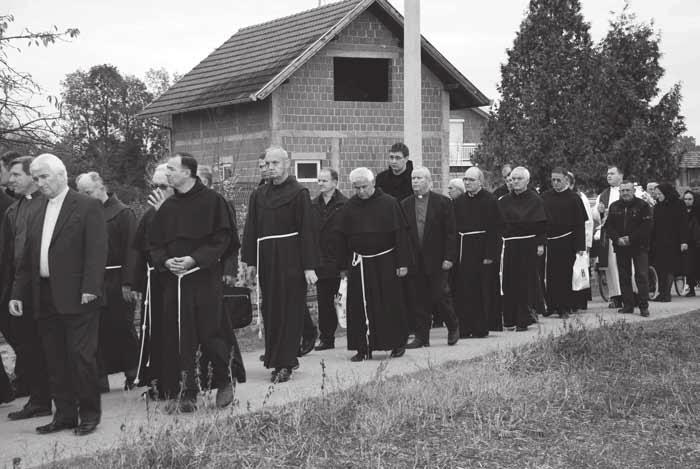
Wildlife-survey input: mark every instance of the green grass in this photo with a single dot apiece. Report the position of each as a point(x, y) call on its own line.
point(622, 395)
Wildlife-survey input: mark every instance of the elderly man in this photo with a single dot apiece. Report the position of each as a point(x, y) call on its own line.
point(29, 354)
point(327, 208)
point(375, 249)
point(396, 180)
point(525, 223)
point(455, 188)
point(628, 224)
point(118, 346)
point(191, 237)
point(280, 246)
point(566, 238)
point(607, 257)
point(478, 225)
point(431, 223)
point(61, 276)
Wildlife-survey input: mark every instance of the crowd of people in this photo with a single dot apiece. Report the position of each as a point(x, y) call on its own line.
point(77, 264)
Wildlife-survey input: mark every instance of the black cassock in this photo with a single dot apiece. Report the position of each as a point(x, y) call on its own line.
point(566, 218)
point(198, 224)
point(477, 301)
point(524, 225)
point(367, 228)
point(118, 343)
point(275, 213)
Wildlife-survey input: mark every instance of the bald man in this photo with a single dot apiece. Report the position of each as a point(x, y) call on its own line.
point(431, 224)
point(525, 223)
point(478, 225)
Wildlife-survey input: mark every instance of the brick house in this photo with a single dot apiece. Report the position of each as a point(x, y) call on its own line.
point(326, 84)
point(689, 174)
point(466, 127)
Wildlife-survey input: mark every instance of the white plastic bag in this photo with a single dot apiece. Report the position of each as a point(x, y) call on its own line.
point(581, 278)
point(341, 300)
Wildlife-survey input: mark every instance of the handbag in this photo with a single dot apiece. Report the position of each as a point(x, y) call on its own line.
point(341, 303)
point(580, 280)
point(237, 305)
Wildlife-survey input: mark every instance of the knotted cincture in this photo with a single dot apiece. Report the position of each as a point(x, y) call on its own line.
point(258, 320)
point(358, 259)
point(503, 253)
point(146, 323)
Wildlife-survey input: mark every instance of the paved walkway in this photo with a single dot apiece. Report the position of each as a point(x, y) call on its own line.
point(126, 413)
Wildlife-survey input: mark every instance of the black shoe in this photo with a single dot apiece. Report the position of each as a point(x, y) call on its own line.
point(30, 411)
point(615, 302)
point(398, 352)
point(548, 313)
point(323, 345)
point(452, 337)
point(262, 357)
point(521, 328)
point(662, 299)
point(644, 312)
point(690, 294)
point(85, 428)
point(417, 343)
point(625, 310)
point(55, 426)
point(307, 344)
point(563, 314)
point(282, 375)
point(361, 356)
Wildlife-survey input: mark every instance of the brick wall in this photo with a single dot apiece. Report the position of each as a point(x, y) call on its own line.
point(474, 124)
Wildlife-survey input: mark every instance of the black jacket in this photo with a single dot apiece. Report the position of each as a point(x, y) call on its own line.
point(399, 187)
point(439, 234)
point(326, 218)
point(631, 219)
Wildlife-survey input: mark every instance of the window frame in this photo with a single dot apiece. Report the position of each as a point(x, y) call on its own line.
point(317, 163)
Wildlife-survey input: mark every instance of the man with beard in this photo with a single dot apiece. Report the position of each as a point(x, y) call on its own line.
point(566, 238)
point(28, 353)
point(478, 225)
point(191, 237)
point(396, 180)
point(431, 223)
point(374, 247)
point(607, 257)
point(118, 345)
point(280, 246)
point(525, 223)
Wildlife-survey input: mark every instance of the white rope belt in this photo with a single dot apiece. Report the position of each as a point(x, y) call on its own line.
point(358, 259)
point(258, 321)
point(146, 320)
point(113, 267)
point(503, 253)
point(546, 254)
point(461, 240)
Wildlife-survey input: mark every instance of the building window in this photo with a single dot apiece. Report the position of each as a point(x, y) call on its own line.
point(363, 79)
point(307, 171)
point(225, 171)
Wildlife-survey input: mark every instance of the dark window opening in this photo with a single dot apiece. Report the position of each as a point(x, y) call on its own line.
point(361, 79)
point(307, 171)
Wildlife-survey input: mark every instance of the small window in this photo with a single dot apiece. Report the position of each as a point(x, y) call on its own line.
point(307, 171)
point(358, 79)
point(225, 171)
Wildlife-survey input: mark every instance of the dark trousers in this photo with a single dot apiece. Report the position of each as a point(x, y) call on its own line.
point(666, 280)
point(309, 331)
point(430, 291)
point(625, 258)
point(70, 347)
point(29, 351)
point(326, 289)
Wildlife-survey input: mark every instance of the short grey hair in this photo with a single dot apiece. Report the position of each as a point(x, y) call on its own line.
point(361, 174)
point(522, 169)
point(277, 149)
point(424, 170)
point(52, 162)
point(94, 176)
point(457, 182)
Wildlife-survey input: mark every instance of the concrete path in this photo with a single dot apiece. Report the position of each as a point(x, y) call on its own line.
point(125, 414)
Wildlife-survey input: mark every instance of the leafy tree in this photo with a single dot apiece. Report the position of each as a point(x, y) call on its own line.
point(23, 122)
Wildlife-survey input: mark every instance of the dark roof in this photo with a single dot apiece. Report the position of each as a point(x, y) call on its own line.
point(690, 160)
point(256, 60)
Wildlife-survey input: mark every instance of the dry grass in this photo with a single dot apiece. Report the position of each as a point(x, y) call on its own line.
point(618, 396)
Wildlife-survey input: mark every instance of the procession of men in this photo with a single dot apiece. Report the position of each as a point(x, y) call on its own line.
point(77, 265)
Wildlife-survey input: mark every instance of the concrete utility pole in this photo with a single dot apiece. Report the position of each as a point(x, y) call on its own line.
point(412, 104)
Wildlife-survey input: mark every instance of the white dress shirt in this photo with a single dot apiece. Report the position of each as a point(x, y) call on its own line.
point(53, 208)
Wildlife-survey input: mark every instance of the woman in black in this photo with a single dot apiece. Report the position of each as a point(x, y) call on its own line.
point(692, 256)
point(669, 238)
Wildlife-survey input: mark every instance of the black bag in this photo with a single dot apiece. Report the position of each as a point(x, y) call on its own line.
point(236, 304)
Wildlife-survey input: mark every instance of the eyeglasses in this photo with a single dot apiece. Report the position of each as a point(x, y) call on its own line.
point(160, 186)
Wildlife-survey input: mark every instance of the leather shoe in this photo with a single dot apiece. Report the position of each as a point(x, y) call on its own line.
point(85, 428)
point(224, 396)
point(30, 411)
point(520, 328)
point(282, 375)
point(361, 356)
point(55, 426)
point(325, 345)
point(452, 337)
point(417, 343)
point(625, 310)
point(644, 312)
point(398, 352)
point(307, 344)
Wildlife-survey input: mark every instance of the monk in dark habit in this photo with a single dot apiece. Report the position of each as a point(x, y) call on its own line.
point(396, 179)
point(375, 250)
point(525, 223)
point(118, 343)
point(566, 237)
point(478, 224)
point(280, 247)
point(191, 238)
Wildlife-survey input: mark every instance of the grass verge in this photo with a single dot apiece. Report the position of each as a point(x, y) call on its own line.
point(621, 395)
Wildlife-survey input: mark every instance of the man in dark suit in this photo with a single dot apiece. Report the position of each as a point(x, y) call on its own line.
point(431, 223)
point(62, 271)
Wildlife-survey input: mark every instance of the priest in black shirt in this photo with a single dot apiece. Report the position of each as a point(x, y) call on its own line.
point(396, 180)
point(478, 224)
point(566, 237)
point(525, 223)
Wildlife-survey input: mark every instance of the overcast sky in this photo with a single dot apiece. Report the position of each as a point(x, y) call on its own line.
point(136, 35)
